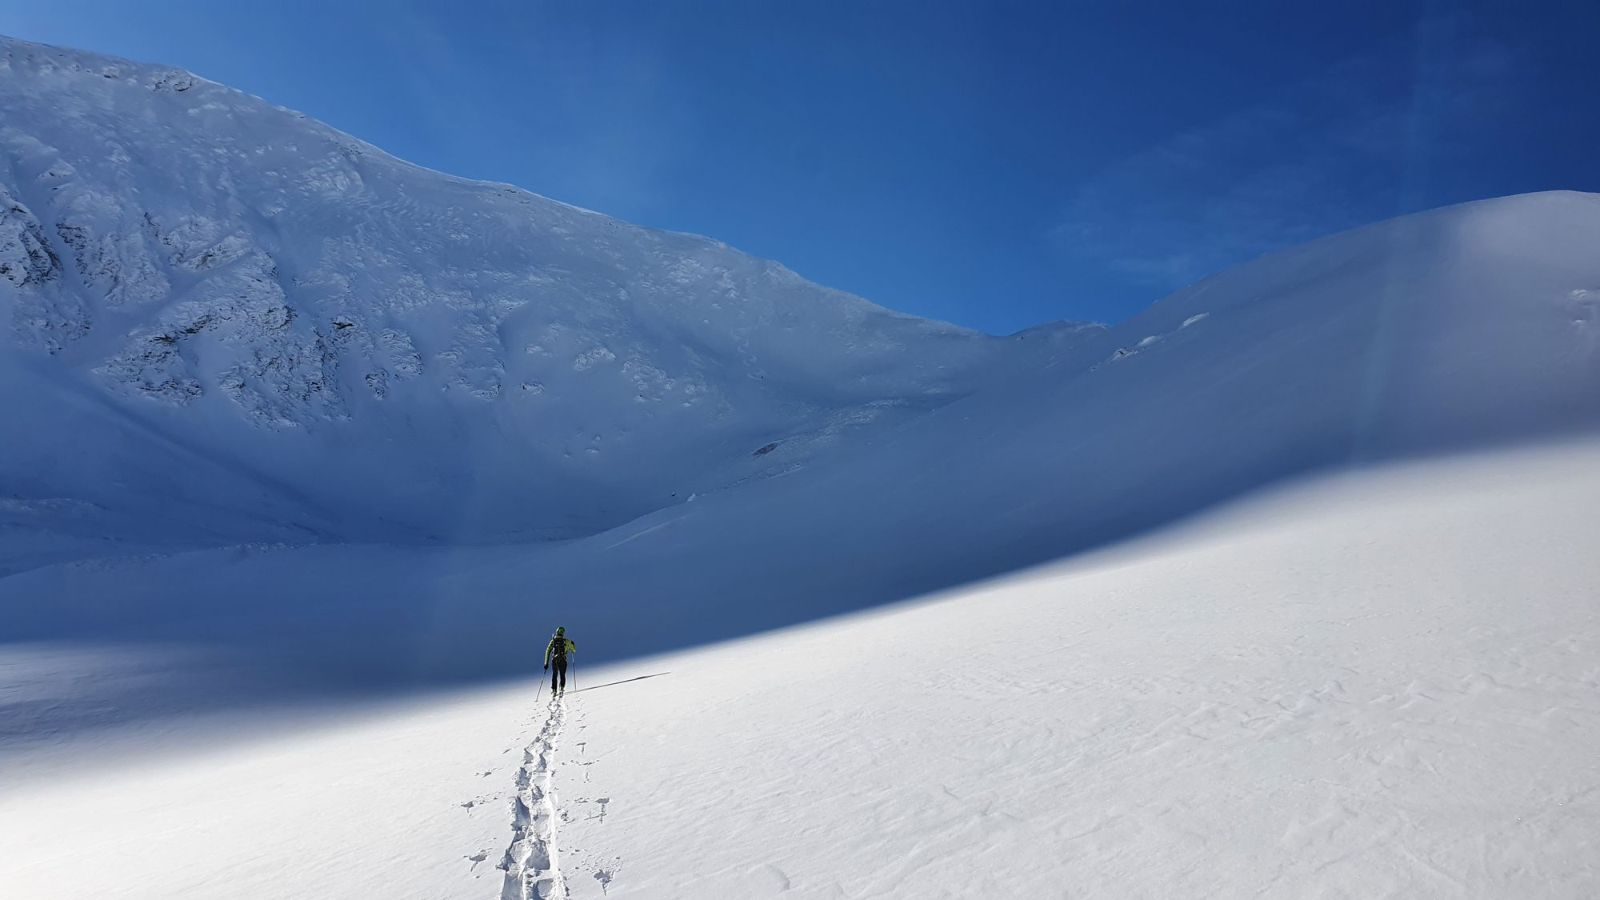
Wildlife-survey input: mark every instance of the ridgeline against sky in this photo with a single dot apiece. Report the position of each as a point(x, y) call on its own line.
point(992, 165)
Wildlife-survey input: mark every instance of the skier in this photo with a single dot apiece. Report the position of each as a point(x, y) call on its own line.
point(556, 652)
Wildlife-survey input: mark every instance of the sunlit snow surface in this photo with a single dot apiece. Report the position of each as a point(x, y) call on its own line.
point(1378, 685)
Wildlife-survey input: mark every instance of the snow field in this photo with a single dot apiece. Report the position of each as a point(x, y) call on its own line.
point(1378, 686)
point(402, 800)
point(1374, 685)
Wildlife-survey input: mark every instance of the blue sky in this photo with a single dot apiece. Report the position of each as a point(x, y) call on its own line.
point(994, 164)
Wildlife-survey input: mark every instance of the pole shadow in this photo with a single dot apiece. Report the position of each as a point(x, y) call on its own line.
point(623, 681)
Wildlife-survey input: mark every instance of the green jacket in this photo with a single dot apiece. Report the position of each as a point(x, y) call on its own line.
point(550, 648)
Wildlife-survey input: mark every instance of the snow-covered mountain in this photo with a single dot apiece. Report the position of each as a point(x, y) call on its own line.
point(230, 323)
point(227, 317)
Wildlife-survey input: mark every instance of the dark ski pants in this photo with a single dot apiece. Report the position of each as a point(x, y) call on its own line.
point(558, 669)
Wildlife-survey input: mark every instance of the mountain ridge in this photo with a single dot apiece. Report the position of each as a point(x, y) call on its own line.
point(204, 257)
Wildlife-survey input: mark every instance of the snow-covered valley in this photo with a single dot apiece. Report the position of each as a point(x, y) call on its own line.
point(1283, 587)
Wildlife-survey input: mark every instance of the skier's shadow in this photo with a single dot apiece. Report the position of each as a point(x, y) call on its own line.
point(623, 681)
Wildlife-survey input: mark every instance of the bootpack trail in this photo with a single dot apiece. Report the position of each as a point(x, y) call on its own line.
point(531, 863)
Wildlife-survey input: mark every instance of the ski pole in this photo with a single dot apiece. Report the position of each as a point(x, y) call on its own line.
point(540, 692)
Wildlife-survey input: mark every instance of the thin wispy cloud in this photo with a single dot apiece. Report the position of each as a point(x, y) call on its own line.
point(593, 120)
point(1353, 145)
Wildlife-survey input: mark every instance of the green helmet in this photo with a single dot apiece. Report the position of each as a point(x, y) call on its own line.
point(561, 630)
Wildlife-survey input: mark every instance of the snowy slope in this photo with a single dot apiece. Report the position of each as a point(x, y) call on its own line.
point(1469, 326)
point(1381, 685)
point(223, 305)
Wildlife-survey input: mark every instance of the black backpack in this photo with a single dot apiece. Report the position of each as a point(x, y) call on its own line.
point(558, 647)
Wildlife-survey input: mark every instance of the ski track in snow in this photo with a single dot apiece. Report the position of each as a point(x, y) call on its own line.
point(641, 533)
point(532, 868)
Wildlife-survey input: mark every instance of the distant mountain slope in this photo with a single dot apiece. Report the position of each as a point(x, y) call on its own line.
point(1453, 330)
point(270, 325)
